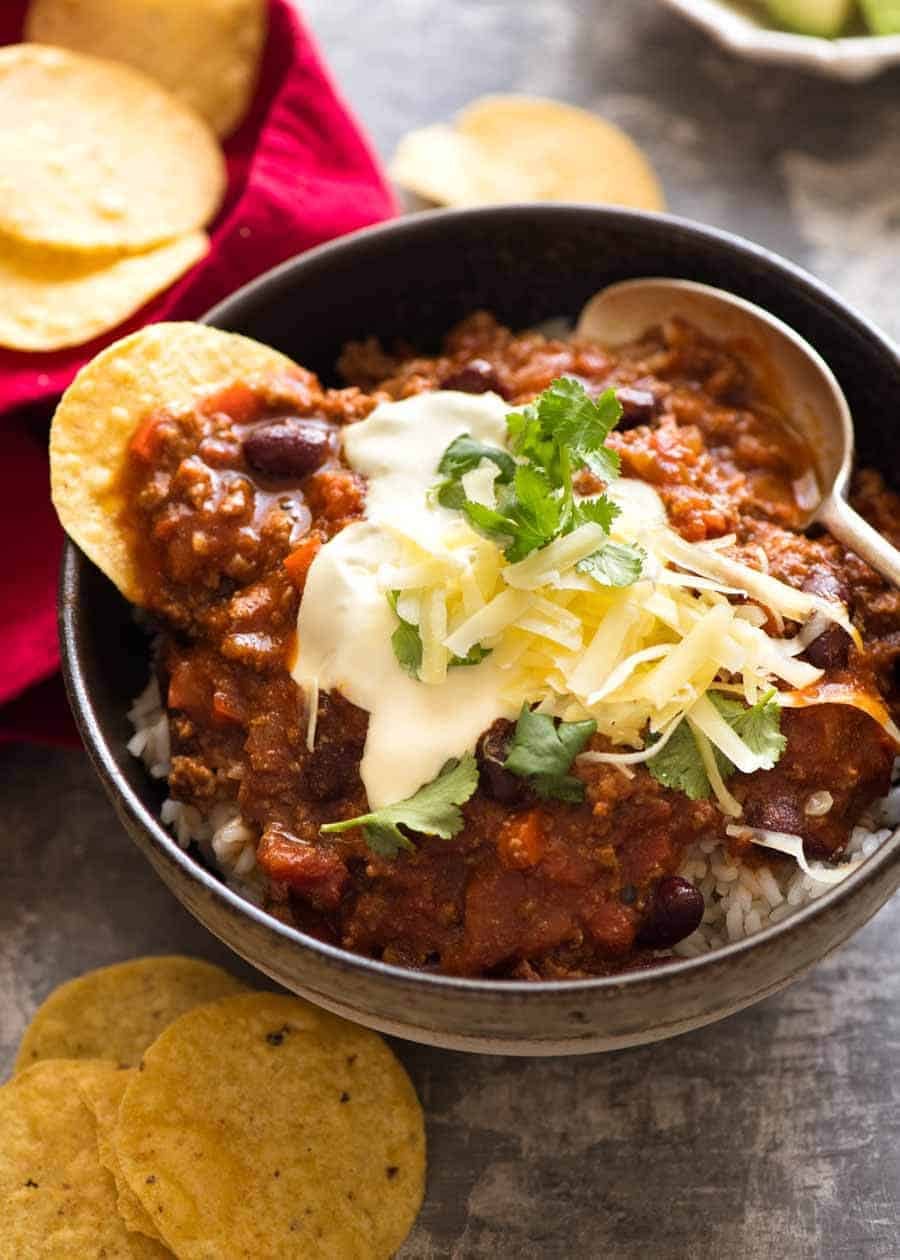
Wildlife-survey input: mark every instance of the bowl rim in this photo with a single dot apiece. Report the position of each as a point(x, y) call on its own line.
point(846, 56)
point(741, 33)
point(75, 565)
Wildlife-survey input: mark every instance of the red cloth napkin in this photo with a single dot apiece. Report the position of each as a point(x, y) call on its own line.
point(299, 172)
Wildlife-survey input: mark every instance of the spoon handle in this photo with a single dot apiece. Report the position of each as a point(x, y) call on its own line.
point(848, 527)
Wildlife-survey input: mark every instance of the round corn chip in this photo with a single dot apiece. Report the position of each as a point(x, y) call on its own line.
point(442, 165)
point(261, 1126)
point(51, 298)
point(205, 52)
point(56, 1200)
point(527, 148)
point(116, 1012)
point(164, 367)
point(94, 155)
point(102, 1093)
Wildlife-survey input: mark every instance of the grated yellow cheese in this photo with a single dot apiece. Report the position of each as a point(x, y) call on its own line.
point(635, 659)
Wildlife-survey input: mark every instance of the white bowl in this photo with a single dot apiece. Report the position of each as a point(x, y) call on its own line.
point(853, 58)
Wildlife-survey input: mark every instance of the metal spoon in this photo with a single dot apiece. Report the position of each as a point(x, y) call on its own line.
point(804, 386)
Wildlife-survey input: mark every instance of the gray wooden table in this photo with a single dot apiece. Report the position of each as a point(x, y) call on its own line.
point(776, 1133)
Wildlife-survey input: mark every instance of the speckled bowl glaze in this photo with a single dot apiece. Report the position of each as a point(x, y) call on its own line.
point(737, 29)
point(414, 278)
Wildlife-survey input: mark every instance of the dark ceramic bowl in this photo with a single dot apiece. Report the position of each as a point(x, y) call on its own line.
point(414, 278)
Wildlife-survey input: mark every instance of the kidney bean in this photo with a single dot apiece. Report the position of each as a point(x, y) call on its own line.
point(638, 405)
point(775, 813)
point(498, 783)
point(824, 582)
point(286, 447)
point(831, 649)
point(675, 912)
point(475, 377)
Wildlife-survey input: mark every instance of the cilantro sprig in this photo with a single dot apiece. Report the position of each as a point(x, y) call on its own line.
point(562, 431)
point(542, 751)
point(679, 764)
point(432, 811)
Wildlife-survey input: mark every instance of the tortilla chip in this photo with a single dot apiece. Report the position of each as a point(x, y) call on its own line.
point(52, 298)
point(116, 1012)
point(164, 367)
point(442, 165)
point(206, 52)
point(94, 155)
point(262, 1126)
point(102, 1093)
point(56, 1200)
point(526, 148)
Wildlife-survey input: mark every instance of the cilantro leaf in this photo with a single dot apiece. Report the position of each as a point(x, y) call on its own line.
point(527, 515)
point(758, 726)
point(464, 453)
point(407, 644)
point(542, 751)
point(679, 764)
point(489, 522)
point(582, 424)
point(527, 440)
point(613, 564)
point(462, 456)
point(475, 655)
point(406, 641)
point(535, 512)
point(598, 510)
point(432, 811)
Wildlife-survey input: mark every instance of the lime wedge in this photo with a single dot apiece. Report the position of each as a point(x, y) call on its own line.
point(882, 16)
point(817, 17)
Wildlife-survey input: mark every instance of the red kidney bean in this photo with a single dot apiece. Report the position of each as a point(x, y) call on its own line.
point(775, 813)
point(675, 912)
point(475, 377)
point(831, 650)
point(638, 405)
point(826, 583)
point(497, 782)
point(286, 447)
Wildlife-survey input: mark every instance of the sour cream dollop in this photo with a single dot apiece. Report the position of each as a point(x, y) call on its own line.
point(345, 623)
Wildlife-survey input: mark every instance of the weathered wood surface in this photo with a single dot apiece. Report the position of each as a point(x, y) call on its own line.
point(777, 1132)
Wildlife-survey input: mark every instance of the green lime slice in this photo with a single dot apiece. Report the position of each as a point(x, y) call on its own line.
point(826, 18)
point(882, 16)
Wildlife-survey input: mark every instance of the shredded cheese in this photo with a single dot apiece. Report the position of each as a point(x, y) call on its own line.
point(791, 844)
point(634, 658)
point(727, 802)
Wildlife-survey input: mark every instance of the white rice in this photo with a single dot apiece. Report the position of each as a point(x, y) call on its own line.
point(223, 837)
point(740, 899)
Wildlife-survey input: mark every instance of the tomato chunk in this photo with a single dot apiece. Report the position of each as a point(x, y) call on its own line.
point(521, 840)
point(227, 709)
point(298, 562)
point(188, 689)
point(147, 438)
point(316, 873)
point(239, 402)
